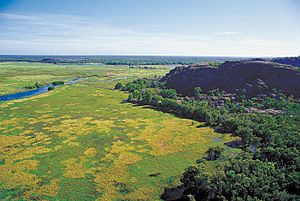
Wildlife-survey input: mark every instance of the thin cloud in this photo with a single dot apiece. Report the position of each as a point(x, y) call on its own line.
point(71, 34)
point(227, 33)
point(10, 16)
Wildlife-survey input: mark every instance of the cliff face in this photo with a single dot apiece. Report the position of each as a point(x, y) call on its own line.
point(243, 77)
point(293, 61)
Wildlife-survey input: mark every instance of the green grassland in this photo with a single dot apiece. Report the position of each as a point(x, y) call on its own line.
point(82, 142)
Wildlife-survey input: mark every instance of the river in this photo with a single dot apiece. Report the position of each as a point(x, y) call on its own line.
point(40, 90)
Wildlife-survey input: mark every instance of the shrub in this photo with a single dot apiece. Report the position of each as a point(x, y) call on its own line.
point(51, 88)
point(119, 86)
point(214, 153)
point(197, 91)
point(130, 98)
point(168, 93)
point(58, 83)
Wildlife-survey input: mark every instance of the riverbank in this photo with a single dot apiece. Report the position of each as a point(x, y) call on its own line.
point(39, 90)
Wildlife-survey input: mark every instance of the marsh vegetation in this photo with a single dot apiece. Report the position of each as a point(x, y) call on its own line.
point(83, 142)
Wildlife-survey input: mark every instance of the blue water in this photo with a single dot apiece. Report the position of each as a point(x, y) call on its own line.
point(34, 92)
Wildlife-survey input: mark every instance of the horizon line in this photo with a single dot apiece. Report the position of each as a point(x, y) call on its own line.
point(154, 55)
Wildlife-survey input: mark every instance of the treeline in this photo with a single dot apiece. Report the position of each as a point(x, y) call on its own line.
point(115, 60)
point(39, 84)
point(268, 169)
point(36, 85)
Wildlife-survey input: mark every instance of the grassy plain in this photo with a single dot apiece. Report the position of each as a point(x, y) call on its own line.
point(82, 142)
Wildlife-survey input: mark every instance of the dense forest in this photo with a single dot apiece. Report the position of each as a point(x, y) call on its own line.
point(268, 127)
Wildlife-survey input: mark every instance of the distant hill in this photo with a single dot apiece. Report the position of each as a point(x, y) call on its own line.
point(293, 61)
point(249, 78)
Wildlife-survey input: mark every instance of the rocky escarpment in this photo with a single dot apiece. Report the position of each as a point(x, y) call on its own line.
point(250, 78)
point(293, 61)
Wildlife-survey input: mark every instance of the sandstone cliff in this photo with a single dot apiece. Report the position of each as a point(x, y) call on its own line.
point(293, 61)
point(250, 78)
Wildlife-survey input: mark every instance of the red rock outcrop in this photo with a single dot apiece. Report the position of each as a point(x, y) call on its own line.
point(250, 78)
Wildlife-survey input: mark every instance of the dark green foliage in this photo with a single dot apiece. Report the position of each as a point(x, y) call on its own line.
point(58, 83)
point(36, 85)
point(168, 93)
point(50, 88)
point(30, 87)
point(169, 104)
point(130, 98)
point(119, 86)
point(235, 107)
point(154, 174)
point(214, 153)
point(147, 97)
point(157, 100)
point(198, 91)
point(137, 95)
point(141, 84)
point(131, 87)
point(242, 179)
point(270, 173)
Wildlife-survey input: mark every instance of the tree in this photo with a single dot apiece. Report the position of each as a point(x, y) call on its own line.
point(38, 84)
point(168, 93)
point(132, 86)
point(147, 97)
point(50, 88)
point(169, 104)
point(130, 98)
point(58, 83)
point(214, 153)
point(197, 91)
point(119, 86)
point(243, 178)
point(157, 100)
point(137, 94)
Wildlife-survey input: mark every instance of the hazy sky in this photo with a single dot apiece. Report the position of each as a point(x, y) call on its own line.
point(152, 27)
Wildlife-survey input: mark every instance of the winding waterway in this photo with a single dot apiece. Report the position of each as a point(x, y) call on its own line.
point(40, 90)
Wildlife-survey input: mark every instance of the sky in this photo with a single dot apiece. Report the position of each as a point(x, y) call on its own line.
point(150, 27)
